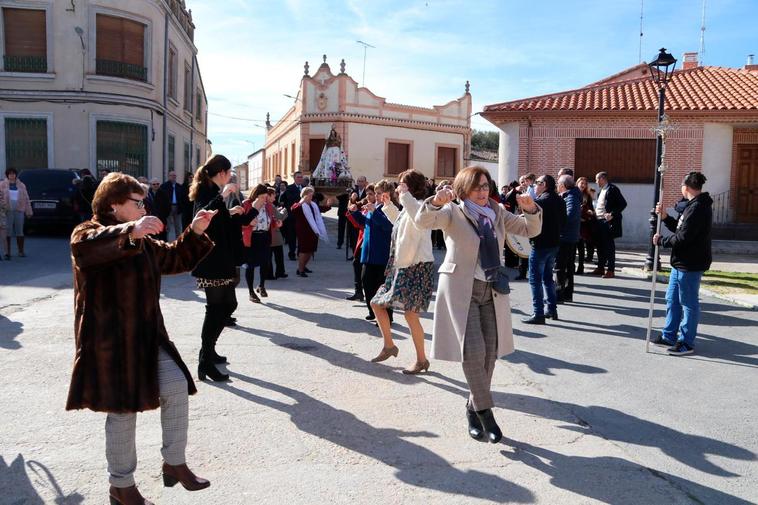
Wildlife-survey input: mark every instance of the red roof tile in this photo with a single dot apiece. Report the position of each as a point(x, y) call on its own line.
point(696, 89)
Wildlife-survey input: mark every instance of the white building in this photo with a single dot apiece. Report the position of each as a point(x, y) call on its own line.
point(381, 139)
point(255, 167)
point(96, 84)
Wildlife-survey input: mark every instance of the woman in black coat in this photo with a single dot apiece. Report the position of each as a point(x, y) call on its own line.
point(216, 273)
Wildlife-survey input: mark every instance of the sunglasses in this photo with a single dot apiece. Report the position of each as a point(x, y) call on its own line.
point(540, 183)
point(140, 203)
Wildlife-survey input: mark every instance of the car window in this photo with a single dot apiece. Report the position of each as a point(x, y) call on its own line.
point(38, 181)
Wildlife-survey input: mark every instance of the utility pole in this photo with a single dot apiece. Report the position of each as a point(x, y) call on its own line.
point(365, 47)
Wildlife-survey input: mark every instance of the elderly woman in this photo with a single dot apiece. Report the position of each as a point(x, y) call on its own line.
point(125, 362)
point(17, 199)
point(309, 228)
point(409, 278)
point(472, 321)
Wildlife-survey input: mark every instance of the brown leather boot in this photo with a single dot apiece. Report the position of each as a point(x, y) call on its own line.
point(127, 496)
point(598, 271)
point(183, 475)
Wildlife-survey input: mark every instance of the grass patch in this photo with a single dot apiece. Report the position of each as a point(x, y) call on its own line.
point(727, 282)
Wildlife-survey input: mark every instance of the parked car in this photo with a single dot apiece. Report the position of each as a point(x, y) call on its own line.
point(51, 192)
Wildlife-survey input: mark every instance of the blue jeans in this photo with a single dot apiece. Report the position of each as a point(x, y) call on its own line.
point(682, 306)
point(541, 263)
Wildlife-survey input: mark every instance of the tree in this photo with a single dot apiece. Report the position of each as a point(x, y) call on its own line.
point(485, 140)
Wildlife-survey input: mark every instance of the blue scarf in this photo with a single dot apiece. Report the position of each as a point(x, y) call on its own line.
point(489, 251)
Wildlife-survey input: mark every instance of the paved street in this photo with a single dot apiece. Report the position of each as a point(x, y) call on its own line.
point(588, 416)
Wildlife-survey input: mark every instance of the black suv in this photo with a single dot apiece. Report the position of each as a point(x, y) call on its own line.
point(52, 193)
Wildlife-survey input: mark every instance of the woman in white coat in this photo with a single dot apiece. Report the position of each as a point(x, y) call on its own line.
point(472, 322)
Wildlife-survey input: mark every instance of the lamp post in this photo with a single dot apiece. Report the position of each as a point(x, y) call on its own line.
point(661, 70)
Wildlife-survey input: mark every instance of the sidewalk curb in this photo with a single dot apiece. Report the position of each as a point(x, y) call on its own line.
point(641, 274)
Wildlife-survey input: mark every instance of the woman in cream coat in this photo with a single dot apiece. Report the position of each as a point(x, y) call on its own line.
point(472, 322)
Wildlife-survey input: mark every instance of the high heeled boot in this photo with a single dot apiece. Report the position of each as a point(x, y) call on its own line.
point(184, 476)
point(127, 496)
point(491, 429)
point(475, 429)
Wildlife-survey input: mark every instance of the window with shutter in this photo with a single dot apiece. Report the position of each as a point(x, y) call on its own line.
point(173, 72)
point(398, 157)
point(120, 50)
point(446, 161)
point(198, 105)
point(122, 147)
point(171, 152)
point(187, 87)
point(629, 161)
point(25, 34)
point(25, 143)
point(187, 154)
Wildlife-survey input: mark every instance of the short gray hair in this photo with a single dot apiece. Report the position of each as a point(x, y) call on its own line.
point(566, 181)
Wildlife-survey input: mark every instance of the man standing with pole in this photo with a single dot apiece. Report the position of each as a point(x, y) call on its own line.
point(690, 257)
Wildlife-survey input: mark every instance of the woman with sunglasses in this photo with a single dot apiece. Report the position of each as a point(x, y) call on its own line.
point(472, 321)
point(125, 362)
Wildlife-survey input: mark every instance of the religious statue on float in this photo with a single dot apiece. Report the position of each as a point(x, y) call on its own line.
point(332, 168)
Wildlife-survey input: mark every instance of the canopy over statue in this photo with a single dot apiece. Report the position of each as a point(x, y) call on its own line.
point(332, 169)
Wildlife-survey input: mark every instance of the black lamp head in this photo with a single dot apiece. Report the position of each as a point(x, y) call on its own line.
point(662, 67)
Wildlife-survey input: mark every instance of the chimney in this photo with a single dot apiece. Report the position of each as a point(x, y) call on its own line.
point(750, 65)
point(689, 60)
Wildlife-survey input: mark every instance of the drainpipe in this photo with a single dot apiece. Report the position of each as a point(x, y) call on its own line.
point(193, 101)
point(165, 99)
point(529, 144)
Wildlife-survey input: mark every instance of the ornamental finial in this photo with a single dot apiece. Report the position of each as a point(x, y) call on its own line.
point(342, 66)
point(306, 69)
point(468, 86)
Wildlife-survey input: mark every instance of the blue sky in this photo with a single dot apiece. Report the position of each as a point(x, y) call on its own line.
point(251, 52)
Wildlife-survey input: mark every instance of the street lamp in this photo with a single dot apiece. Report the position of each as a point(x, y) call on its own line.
point(661, 71)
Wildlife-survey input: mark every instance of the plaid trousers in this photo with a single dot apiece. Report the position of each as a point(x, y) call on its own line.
point(120, 444)
point(480, 346)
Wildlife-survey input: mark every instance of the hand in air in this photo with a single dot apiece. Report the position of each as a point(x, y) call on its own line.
point(147, 225)
point(202, 220)
point(526, 203)
point(236, 210)
point(443, 196)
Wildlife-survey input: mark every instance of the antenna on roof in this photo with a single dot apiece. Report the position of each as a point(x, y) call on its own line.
point(702, 37)
point(365, 45)
point(642, 10)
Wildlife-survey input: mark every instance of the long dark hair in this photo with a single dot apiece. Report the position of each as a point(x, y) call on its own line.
point(207, 171)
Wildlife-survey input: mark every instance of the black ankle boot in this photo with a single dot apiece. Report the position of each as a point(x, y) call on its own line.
point(217, 359)
point(489, 425)
point(207, 368)
point(474, 425)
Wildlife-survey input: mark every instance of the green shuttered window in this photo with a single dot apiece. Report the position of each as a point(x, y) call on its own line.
point(26, 143)
point(122, 147)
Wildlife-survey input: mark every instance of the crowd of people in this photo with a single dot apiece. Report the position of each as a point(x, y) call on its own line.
point(391, 226)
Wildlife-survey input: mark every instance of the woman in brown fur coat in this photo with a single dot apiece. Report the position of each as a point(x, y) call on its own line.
point(125, 362)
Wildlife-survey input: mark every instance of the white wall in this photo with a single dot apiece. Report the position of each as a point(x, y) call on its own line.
point(639, 199)
point(717, 156)
point(508, 152)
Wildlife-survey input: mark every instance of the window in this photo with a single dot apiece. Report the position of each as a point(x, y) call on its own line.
point(197, 155)
point(173, 72)
point(120, 50)
point(447, 159)
point(25, 143)
point(398, 157)
point(629, 161)
point(171, 153)
point(25, 40)
point(187, 161)
point(198, 105)
point(292, 160)
point(187, 87)
point(122, 147)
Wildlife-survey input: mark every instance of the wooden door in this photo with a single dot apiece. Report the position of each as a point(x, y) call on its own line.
point(747, 183)
point(446, 158)
point(315, 151)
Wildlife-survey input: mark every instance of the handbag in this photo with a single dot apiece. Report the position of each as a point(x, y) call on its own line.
point(502, 283)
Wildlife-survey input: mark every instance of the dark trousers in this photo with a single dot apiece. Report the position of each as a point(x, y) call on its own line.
point(585, 250)
point(352, 237)
point(606, 247)
point(277, 252)
point(341, 226)
point(220, 304)
point(288, 231)
point(564, 268)
point(357, 271)
point(372, 279)
point(250, 276)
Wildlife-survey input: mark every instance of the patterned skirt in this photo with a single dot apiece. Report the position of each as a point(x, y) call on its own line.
point(408, 288)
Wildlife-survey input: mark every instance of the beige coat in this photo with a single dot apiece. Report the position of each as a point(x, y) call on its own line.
point(456, 278)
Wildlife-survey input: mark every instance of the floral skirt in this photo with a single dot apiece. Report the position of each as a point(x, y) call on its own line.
point(408, 288)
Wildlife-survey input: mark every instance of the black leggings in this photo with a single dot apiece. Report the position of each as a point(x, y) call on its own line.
point(220, 304)
point(250, 276)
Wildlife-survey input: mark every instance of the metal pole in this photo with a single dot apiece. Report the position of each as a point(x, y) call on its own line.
point(652, 255)
point(363, 79)
point(654, 274)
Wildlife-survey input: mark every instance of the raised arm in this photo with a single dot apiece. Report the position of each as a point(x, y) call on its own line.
point(93, 245)
point(435, 213)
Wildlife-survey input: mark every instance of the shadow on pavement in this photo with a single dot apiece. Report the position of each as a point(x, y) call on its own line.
point(9, 330)
point(545, 365)
point(611, 424)
point(414, 464)
point(14, 479)
point(587, 476)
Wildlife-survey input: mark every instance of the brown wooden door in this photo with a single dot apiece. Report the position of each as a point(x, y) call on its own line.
point(316, 149)
point(446, 157)
point(747, 183)
point(398, 158)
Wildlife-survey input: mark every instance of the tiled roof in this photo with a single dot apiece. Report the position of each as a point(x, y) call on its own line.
point(696, 89)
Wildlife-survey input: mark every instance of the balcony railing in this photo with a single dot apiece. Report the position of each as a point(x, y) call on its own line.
point(121, 69)
point(31, 64)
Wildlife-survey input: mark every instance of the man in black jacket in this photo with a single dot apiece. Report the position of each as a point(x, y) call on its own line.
point(690, 257)
point(544, 251)
point(290, 197)
point(610, 205)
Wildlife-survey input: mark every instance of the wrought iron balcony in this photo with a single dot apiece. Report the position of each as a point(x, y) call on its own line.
point(121, 69)
point(31, 64)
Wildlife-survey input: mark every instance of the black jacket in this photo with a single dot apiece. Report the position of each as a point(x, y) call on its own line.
point(289, 198)
point(615, 203)
point(224, 231)
point(553, 219)
point(691, 242)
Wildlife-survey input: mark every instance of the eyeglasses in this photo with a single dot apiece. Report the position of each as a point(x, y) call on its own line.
point(140, 203)
point(482, 187)
point(540, 183)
